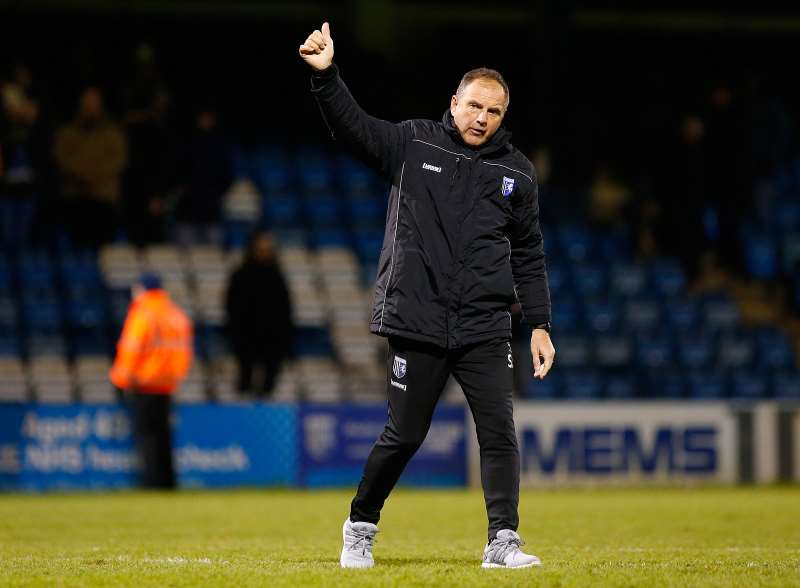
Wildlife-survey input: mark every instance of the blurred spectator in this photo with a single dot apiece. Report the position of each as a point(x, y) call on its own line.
point(682, 198)
point(729, 189)
point(20, 156)
point(154, 354)
point(207, 173)
point(152, 168)
point(609, 200)
point(91, 153)
point(259, 315)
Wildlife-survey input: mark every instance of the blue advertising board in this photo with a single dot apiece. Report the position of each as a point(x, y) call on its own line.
point(239, 445)
point(77, 447)
point(67, 447)
point(336, 440)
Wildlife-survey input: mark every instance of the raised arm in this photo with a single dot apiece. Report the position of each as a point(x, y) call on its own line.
point(380, 144)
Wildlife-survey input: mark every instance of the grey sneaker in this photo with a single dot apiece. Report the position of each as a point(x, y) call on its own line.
point(358, 541)
point(504, 552)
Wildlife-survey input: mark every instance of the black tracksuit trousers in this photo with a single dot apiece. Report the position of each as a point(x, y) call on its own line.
point(416, 375)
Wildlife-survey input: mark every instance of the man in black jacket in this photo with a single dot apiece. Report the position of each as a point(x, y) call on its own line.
point(462, 244)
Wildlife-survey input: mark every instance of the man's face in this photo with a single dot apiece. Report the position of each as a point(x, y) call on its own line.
point(479, 110)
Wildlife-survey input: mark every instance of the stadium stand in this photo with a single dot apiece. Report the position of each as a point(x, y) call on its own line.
point(623, 328)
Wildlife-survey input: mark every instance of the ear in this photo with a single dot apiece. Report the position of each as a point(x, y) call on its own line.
point(453, 104)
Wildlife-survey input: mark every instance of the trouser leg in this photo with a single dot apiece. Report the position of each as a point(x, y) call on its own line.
point(154, 439)
point(485, 372)
point(165, 470)
point(416, 375)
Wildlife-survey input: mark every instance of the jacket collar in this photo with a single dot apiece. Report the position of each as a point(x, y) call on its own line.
point(498, 142)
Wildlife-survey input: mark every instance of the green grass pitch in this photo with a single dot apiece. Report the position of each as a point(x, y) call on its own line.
point(610, 537)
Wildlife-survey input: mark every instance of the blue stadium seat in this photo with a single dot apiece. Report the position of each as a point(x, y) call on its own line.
point(655, 351)
point(576, 243)
point(236, 233)
point(559, 279)
point(706, 385)
point(10, 345)
point(80, 272)
point(591, 281)
point(749, 385)
point(760, 255)
point(313, 169)
point(367, 212)
point(720, 313)
point(87, 314)
point(294, 237)
point(682, 314)
point(785, 214)
point(356, 178)
point(6, 277)
point(612, 351)
point(611, 247)
point(628, 280)
point(323, 211)
point(696, 350)
point(46, 345)
point(787, 385)
point(574, 351)
point(282, 210)
point(663, 383)
point(312, 341)
point(270, 170)
point(790, 252)
point(330, 237)
point(603, 317)
point(35, 272)
point(567, 315)
point(642, 315)
point(775, 352)
point(368, 243)
point(620, 387)
point(735, 351)
point(90, 343)
point(668, 278)
point(42, 317)
point(582, 385)
point(9, 317)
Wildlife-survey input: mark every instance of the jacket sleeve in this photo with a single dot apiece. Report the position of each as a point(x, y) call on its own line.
point(527, 256)
point(380, 144)
point(129, 350)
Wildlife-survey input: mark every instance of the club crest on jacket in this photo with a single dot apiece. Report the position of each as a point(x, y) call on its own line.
point(508, 186)
point(399, 367)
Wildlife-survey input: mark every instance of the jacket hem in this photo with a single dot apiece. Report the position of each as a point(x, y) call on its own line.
point(438, 341)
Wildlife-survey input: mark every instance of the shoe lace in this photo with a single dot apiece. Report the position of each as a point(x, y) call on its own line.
point(363, 540)
point(500, 548)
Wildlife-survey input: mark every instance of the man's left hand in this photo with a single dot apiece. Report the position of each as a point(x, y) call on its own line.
point(543, 353)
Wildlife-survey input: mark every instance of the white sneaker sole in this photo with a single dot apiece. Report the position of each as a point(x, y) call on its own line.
point(491, 565)
point(345, 559)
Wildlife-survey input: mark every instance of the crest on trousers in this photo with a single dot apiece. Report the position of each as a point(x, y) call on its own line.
point(399, 367)
point(508, 186)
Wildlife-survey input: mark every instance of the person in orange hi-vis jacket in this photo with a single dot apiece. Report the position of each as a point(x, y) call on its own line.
point(154, 354)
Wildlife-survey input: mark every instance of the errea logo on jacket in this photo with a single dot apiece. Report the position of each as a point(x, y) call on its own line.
point(434, 168)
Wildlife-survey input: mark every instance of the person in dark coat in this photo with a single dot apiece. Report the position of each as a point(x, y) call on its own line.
point(207, 171)
point(259, 315)
point(152, 169)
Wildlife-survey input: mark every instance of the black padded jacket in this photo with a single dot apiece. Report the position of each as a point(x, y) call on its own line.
point(462, 241)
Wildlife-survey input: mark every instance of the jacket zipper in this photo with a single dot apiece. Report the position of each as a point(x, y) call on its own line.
point(455, 172)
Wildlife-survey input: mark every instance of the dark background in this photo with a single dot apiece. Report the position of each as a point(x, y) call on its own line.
point(597, 82)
